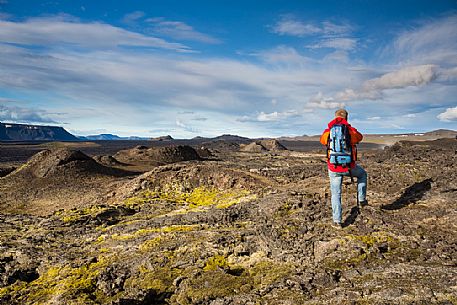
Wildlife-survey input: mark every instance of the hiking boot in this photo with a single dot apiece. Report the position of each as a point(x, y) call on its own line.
point(363, 203)
point(337, 225)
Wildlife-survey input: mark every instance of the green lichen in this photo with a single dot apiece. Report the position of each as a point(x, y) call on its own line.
point(59, 282)
point(211, 285)
point(373, 238)
point(198, 197)
point(366, 249)
point(216, 262)
point(268, 272)
point(167, 229)
point(150, 244)
point(219, 280)
point(77, 214)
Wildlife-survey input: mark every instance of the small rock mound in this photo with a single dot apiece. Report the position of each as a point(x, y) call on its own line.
point(163, 138)
point(263, 145)
point(204, 152)
point(253, 147)
point(221, 146)
point(157, 155)
point(272, 145)
point(60, 161)
point(108, 160)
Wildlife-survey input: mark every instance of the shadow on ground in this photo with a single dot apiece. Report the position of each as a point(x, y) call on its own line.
point(411, 195)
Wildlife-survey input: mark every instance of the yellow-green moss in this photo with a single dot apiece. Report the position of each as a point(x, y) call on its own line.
point(199, 197)
point(211, 284)
point(158, 279)
point(150, 244)
point(373, 238)
point(75, 214)
point(267, 272)
point(76, 284)
point(366, 243)
point(216, 262)
point(167, 229)
point(217, 282)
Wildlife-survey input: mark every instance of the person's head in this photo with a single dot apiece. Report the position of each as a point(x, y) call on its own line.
point(341, 113)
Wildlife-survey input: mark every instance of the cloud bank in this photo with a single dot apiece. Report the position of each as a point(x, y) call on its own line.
point(449, 115)
point(67, 64)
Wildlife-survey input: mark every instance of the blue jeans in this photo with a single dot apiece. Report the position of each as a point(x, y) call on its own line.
point(336, 181)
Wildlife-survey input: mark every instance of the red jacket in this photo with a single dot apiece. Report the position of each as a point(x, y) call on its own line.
point(356, 137)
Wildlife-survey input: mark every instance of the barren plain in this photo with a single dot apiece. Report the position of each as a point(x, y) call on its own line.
point(167, 223)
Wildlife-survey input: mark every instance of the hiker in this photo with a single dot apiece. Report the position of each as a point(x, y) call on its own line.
point(341, 139)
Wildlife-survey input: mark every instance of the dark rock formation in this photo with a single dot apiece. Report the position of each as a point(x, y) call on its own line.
point(157, 155)
point(263, 145)
point(163, 138)
point(22, 132)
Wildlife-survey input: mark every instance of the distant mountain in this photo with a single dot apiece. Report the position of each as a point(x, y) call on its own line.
point(434, 134)
point(229, 137)
point(109, 137)
point(163, 138)
point(445, 133)
point(224, 137)
point(25, 132)
point(104, 136)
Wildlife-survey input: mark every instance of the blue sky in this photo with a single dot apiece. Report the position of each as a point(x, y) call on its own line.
point(253, 68)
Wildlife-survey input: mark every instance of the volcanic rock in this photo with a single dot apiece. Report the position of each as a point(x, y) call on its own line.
point(263, 145)
point(60, 161)
point(253, 147)
point(157, 155)
point(108, 160)
point(204, 152)
point(218, 232)
point(221, 146)
point(163, 138)
point(272, 145)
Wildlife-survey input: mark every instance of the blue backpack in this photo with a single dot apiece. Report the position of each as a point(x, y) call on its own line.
point(339, 146)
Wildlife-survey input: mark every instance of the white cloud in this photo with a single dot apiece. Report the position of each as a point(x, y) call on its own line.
point(186, 127)
point(448, 75)
point(374, 118)
point(372, 89)
point(131, 18)
point(56, 31)
point(346, 44)
point(283, 55)
point(351, 94)
point(449, 115)
point(337, 56)
point(179, 123)
point(409, 76)
point(434, 41)
point(275, 116)
point(24, 115)
point(179, 30)
point(199, 118)
point(290, 26)
point(319, 101)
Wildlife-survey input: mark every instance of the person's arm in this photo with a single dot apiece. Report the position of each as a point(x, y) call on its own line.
point(356, 136)
point(324, 137)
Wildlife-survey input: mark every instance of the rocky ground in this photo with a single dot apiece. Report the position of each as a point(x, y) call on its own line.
point(232, 228)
